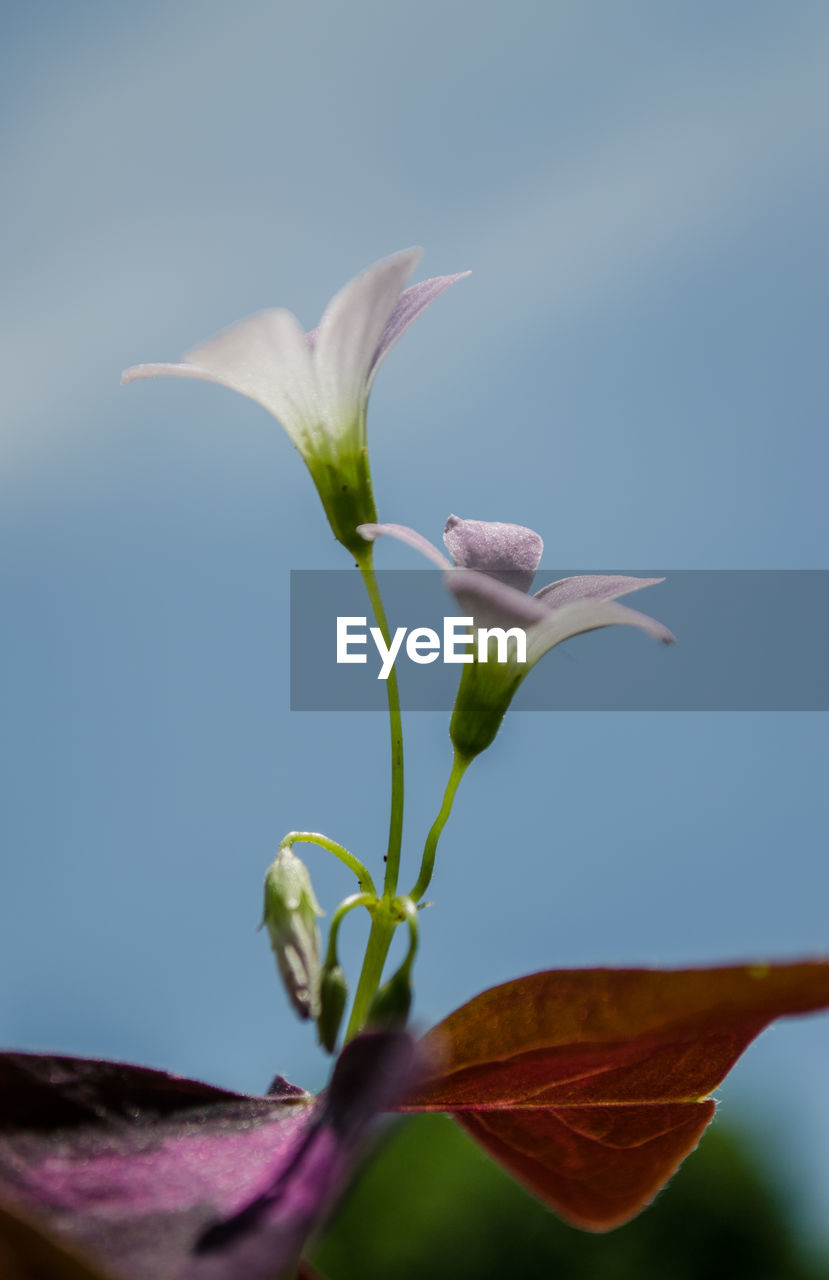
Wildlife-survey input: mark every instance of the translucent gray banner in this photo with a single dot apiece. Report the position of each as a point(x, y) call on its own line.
point(747, 640)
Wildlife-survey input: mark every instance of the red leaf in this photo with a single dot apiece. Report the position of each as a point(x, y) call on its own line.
point(591, 1085)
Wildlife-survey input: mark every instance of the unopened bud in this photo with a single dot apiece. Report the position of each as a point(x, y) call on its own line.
point(333, 994)
point(390, 1007)
point(291, 909)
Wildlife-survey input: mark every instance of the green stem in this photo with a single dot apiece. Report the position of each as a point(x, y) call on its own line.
point(379, 940)
point(365, 563)
point(427, 865)
point(338, 850)
point(383, 923)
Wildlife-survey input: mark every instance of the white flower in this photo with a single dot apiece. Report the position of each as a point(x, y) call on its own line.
point(317, 384)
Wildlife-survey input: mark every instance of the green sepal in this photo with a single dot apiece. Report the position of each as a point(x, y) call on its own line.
point(343, 481)
point(484, 693)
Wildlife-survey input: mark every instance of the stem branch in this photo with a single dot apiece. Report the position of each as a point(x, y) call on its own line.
point(368, 900)
point(338, 850)
point(427, 865)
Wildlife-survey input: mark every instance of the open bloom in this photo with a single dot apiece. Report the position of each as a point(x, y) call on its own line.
point(493, 570)
point(317, 384)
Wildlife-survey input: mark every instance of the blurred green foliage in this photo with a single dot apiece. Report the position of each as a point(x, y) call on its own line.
point(432, 1205)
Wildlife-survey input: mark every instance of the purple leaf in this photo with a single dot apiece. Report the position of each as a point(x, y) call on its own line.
point(160, 1178)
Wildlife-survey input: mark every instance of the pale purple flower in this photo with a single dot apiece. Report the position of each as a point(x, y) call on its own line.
point(494, 566)
point(490, 574)
point(317, 384)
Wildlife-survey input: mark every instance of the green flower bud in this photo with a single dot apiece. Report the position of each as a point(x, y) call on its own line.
point(390, 1007)
point(291, 909)
point(333, 994)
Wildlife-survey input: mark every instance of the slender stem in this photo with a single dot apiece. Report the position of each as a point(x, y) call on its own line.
point(365, 563)
point(338, 850)
point(379, 940)
point(383, 923)
point(427, 865)
point(348, 904)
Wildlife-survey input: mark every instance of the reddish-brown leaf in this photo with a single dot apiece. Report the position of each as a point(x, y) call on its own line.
point(591, 1085)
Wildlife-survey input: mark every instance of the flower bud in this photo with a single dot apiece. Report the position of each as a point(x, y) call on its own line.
point(333, 994)
point(390, 1006)
point(291, 909)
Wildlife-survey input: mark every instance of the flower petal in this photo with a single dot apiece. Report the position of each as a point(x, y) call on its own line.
point(404, 534)
point(264, 357)
point(588, 615)
point(349, 334)
point(592, 586)
point(493, 603)
point(414, 300)
point(510, 552)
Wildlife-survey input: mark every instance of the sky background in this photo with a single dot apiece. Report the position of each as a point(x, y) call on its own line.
point(636, 368)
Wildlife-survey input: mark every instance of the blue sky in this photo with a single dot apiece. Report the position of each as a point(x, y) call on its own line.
point(635, 368)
